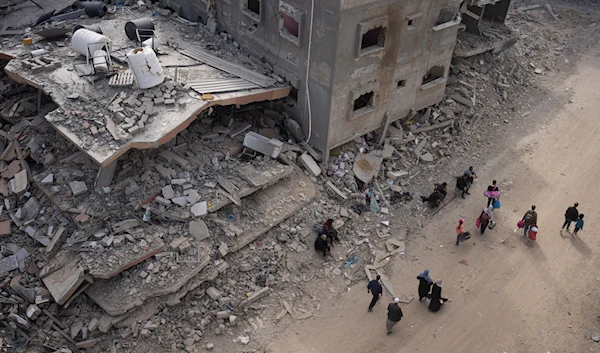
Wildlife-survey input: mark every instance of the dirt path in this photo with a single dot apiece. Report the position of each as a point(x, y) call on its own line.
point(510, 298)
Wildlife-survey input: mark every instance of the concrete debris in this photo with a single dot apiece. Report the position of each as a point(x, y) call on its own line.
point(309, 164)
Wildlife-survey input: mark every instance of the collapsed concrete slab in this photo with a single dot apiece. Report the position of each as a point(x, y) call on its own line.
point(65, 281)
point(119, 295)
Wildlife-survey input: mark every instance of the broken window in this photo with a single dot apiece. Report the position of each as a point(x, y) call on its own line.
point(412, 23)
point(254, 6)
point(373, 38)
point(364, 101)
point(433, 74)
point(446, 15)
point(291, 25)
point(401, 83)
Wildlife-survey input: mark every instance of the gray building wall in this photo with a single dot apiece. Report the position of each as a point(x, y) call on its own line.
point(337, 73)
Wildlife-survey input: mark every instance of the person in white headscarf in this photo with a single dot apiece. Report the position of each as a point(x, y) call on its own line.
point(436, 296)
point(487, 216)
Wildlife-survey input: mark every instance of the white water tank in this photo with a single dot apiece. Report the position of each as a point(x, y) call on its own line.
point(145, 67)
point(96, 41)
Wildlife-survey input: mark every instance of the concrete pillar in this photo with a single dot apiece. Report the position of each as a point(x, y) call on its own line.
point(106, 174)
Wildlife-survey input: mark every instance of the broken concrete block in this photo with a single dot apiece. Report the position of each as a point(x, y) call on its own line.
point(167, 192)
point(262, 144)
point(105, 323)
point(427, 157)
point(76, 328)
point(199, 230)
point(223, 249)
point(33, 311)
point(5, 227)
point(178, 181)
point(19, 320)
point(213, 293)
point(93, 325)
point(181, 201)
point(199, 209)
point(309, 164)
point(118, 240)
point(19, 183)
point(193, 197)
point(78, 187)
point(49, 179)
point(223, 314)
point(394, 175)
point(232, 319)
point(64, 282)
point(107, 241)
point(162, 201)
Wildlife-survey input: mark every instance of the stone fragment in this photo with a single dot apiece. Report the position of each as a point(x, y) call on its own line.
point(78, 187)
point(93, 325)
point(223, 249)
point(213, 293)
point(76, 328)
point(49, 179)
point(309, 164)
point(105, 323)
point(193, 197)
point(427, 157)
point(181, 201)
point(200, 209)
point(199, 230)
point(168, 192)
point(33, 311)
point(223, 314)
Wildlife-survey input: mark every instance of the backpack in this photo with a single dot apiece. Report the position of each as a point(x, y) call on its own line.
point(528, 218)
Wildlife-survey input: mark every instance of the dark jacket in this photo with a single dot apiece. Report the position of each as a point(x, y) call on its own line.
point(424, 287)
point(461, 182)
point(572, 213)
point(492, 188)
point(436, 296)
point(375, 287)
point(321, 245)
point(394, 312)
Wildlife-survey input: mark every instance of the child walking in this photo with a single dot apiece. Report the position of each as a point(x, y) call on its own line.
point(579, 223)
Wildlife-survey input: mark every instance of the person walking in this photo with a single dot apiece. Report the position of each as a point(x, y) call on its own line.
point(394, 315)
point(461, 235)
point(425, 283)
point(487, 216)
point(436, 296)
point(571, 215)
point(374, 287)
point(329, 231)
point(492, 193)
point(578, 224)
point(529, 219)
point(322, 245)
point(463, 185)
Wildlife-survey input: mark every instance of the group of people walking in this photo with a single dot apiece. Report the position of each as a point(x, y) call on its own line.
point(428, 289)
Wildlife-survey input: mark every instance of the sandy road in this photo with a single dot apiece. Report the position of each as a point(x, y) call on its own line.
point(510, 298)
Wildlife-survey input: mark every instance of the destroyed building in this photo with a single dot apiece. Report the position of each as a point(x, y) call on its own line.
point(353, 64)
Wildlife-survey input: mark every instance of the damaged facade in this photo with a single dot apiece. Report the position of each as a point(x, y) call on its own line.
point(365, 60)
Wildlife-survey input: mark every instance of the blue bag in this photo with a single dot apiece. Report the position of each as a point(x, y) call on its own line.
point(496, 204)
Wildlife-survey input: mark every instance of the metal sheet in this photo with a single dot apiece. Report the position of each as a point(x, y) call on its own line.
point(221, 85)
point(224, 65)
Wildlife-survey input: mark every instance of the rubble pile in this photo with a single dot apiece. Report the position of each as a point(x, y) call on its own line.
point(211, 234)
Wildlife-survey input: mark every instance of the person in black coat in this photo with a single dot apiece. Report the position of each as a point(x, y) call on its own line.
point(425, 283)
point(374, 287)
point(321, 244)
point(436, 296)
point(571, 215)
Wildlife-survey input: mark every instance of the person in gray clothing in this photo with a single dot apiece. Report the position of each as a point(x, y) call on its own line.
point(394, 315)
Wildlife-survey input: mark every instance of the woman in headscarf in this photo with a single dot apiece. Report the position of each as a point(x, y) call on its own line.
point(425, 283)
point(487, 215)
point(436, 296)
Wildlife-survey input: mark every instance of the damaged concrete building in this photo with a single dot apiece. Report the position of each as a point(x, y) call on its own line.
point(354, 65)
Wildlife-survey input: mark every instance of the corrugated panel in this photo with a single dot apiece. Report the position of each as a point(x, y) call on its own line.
point(234, 69)
point(221, 85)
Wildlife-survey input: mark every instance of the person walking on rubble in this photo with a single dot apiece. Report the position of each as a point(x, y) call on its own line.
point(425, 283)
point(322, 245)
point(330, 232)
point(374, 287)
point(571, 215)
point(394, 315)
